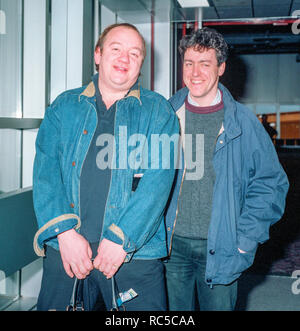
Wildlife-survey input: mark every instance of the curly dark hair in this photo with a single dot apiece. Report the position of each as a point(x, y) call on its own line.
point(205, 38)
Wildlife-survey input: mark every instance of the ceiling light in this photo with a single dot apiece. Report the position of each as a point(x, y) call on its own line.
point(193, 3)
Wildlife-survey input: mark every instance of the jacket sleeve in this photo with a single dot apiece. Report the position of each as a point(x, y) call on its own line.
point(266, 189)
point(143, 214)
point(53, 212)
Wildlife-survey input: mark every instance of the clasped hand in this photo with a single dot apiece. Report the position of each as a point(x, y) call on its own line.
point(76, 255)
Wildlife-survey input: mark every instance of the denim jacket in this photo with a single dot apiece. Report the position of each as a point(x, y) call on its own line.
point(133, 219)
point(249, 191)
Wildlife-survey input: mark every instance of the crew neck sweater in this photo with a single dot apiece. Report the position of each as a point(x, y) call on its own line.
point(195, 200)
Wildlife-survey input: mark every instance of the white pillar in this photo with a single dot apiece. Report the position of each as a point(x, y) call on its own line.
point(66, 45)
point(34, 60)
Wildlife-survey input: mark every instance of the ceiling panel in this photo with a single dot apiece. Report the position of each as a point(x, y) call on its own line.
point(162, 10)
point(157, 6)
point(234, 12)
point(189, 14)
point(232, 3)
point(135, 16)
point(271, 8)
point(184, 14)
point(270, 3)
point(210, 13)
point(274, 11)
point(123, 5)
point(139, 11)
point(296, 6)
point(256, 38)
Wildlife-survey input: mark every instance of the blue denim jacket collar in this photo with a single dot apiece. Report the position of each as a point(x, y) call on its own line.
point(90, 91)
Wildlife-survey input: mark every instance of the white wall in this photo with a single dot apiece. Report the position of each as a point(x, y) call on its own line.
point(266, 83)
point(145, 78)
point(271, 81)
point(10, 92)
point(161, 58)
point(66, 72)
point(34, 78)
point(34, 75)
point(66, 46)
point(107, 17)
point(34, 102)
point(162, 53)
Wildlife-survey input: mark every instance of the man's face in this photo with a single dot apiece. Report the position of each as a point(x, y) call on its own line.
point(120, 60)
point(201, 74)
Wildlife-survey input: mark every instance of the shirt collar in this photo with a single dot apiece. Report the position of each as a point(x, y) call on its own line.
point(90, 90)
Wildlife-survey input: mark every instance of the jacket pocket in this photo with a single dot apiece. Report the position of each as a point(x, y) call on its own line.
point(240, 262)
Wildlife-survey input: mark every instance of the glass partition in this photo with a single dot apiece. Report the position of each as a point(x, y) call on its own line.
point(10, 91)
point(11, 49)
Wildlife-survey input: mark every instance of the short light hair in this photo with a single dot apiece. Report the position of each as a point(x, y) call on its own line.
point(105, 32)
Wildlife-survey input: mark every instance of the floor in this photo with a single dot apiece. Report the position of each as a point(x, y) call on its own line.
point(268, 285)
point(255, 293)
point(268, 293)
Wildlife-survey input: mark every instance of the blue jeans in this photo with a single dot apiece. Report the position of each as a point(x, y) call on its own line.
point(146, 277)
point(185, 276)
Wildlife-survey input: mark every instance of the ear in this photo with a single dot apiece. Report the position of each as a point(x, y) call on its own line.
point(97, 55)
point(221, 69)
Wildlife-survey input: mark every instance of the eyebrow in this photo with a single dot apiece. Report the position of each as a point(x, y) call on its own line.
point(201, 61)
point(117, 43)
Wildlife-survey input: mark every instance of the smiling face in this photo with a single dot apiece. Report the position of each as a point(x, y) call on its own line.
point(120, 60)
point(201, 74)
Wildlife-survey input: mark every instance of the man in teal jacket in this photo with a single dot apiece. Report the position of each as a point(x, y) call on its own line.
point(231, 187)
point(101, 182)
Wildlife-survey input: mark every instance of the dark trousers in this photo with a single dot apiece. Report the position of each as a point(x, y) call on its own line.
point(146, 277)
point(185, 275)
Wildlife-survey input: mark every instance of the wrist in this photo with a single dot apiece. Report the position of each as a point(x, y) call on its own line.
point(65, 234)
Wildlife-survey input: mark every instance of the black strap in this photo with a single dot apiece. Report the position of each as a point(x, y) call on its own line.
point(76, 302)
point(115, 296)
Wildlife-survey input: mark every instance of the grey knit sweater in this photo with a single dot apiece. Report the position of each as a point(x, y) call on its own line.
point(195, 201)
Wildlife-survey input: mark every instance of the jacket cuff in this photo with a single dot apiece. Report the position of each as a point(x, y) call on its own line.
point(116, 234)
point(52, 228)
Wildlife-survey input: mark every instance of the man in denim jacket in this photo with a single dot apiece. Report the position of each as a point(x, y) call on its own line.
point(230, 190)
point(100, 184)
